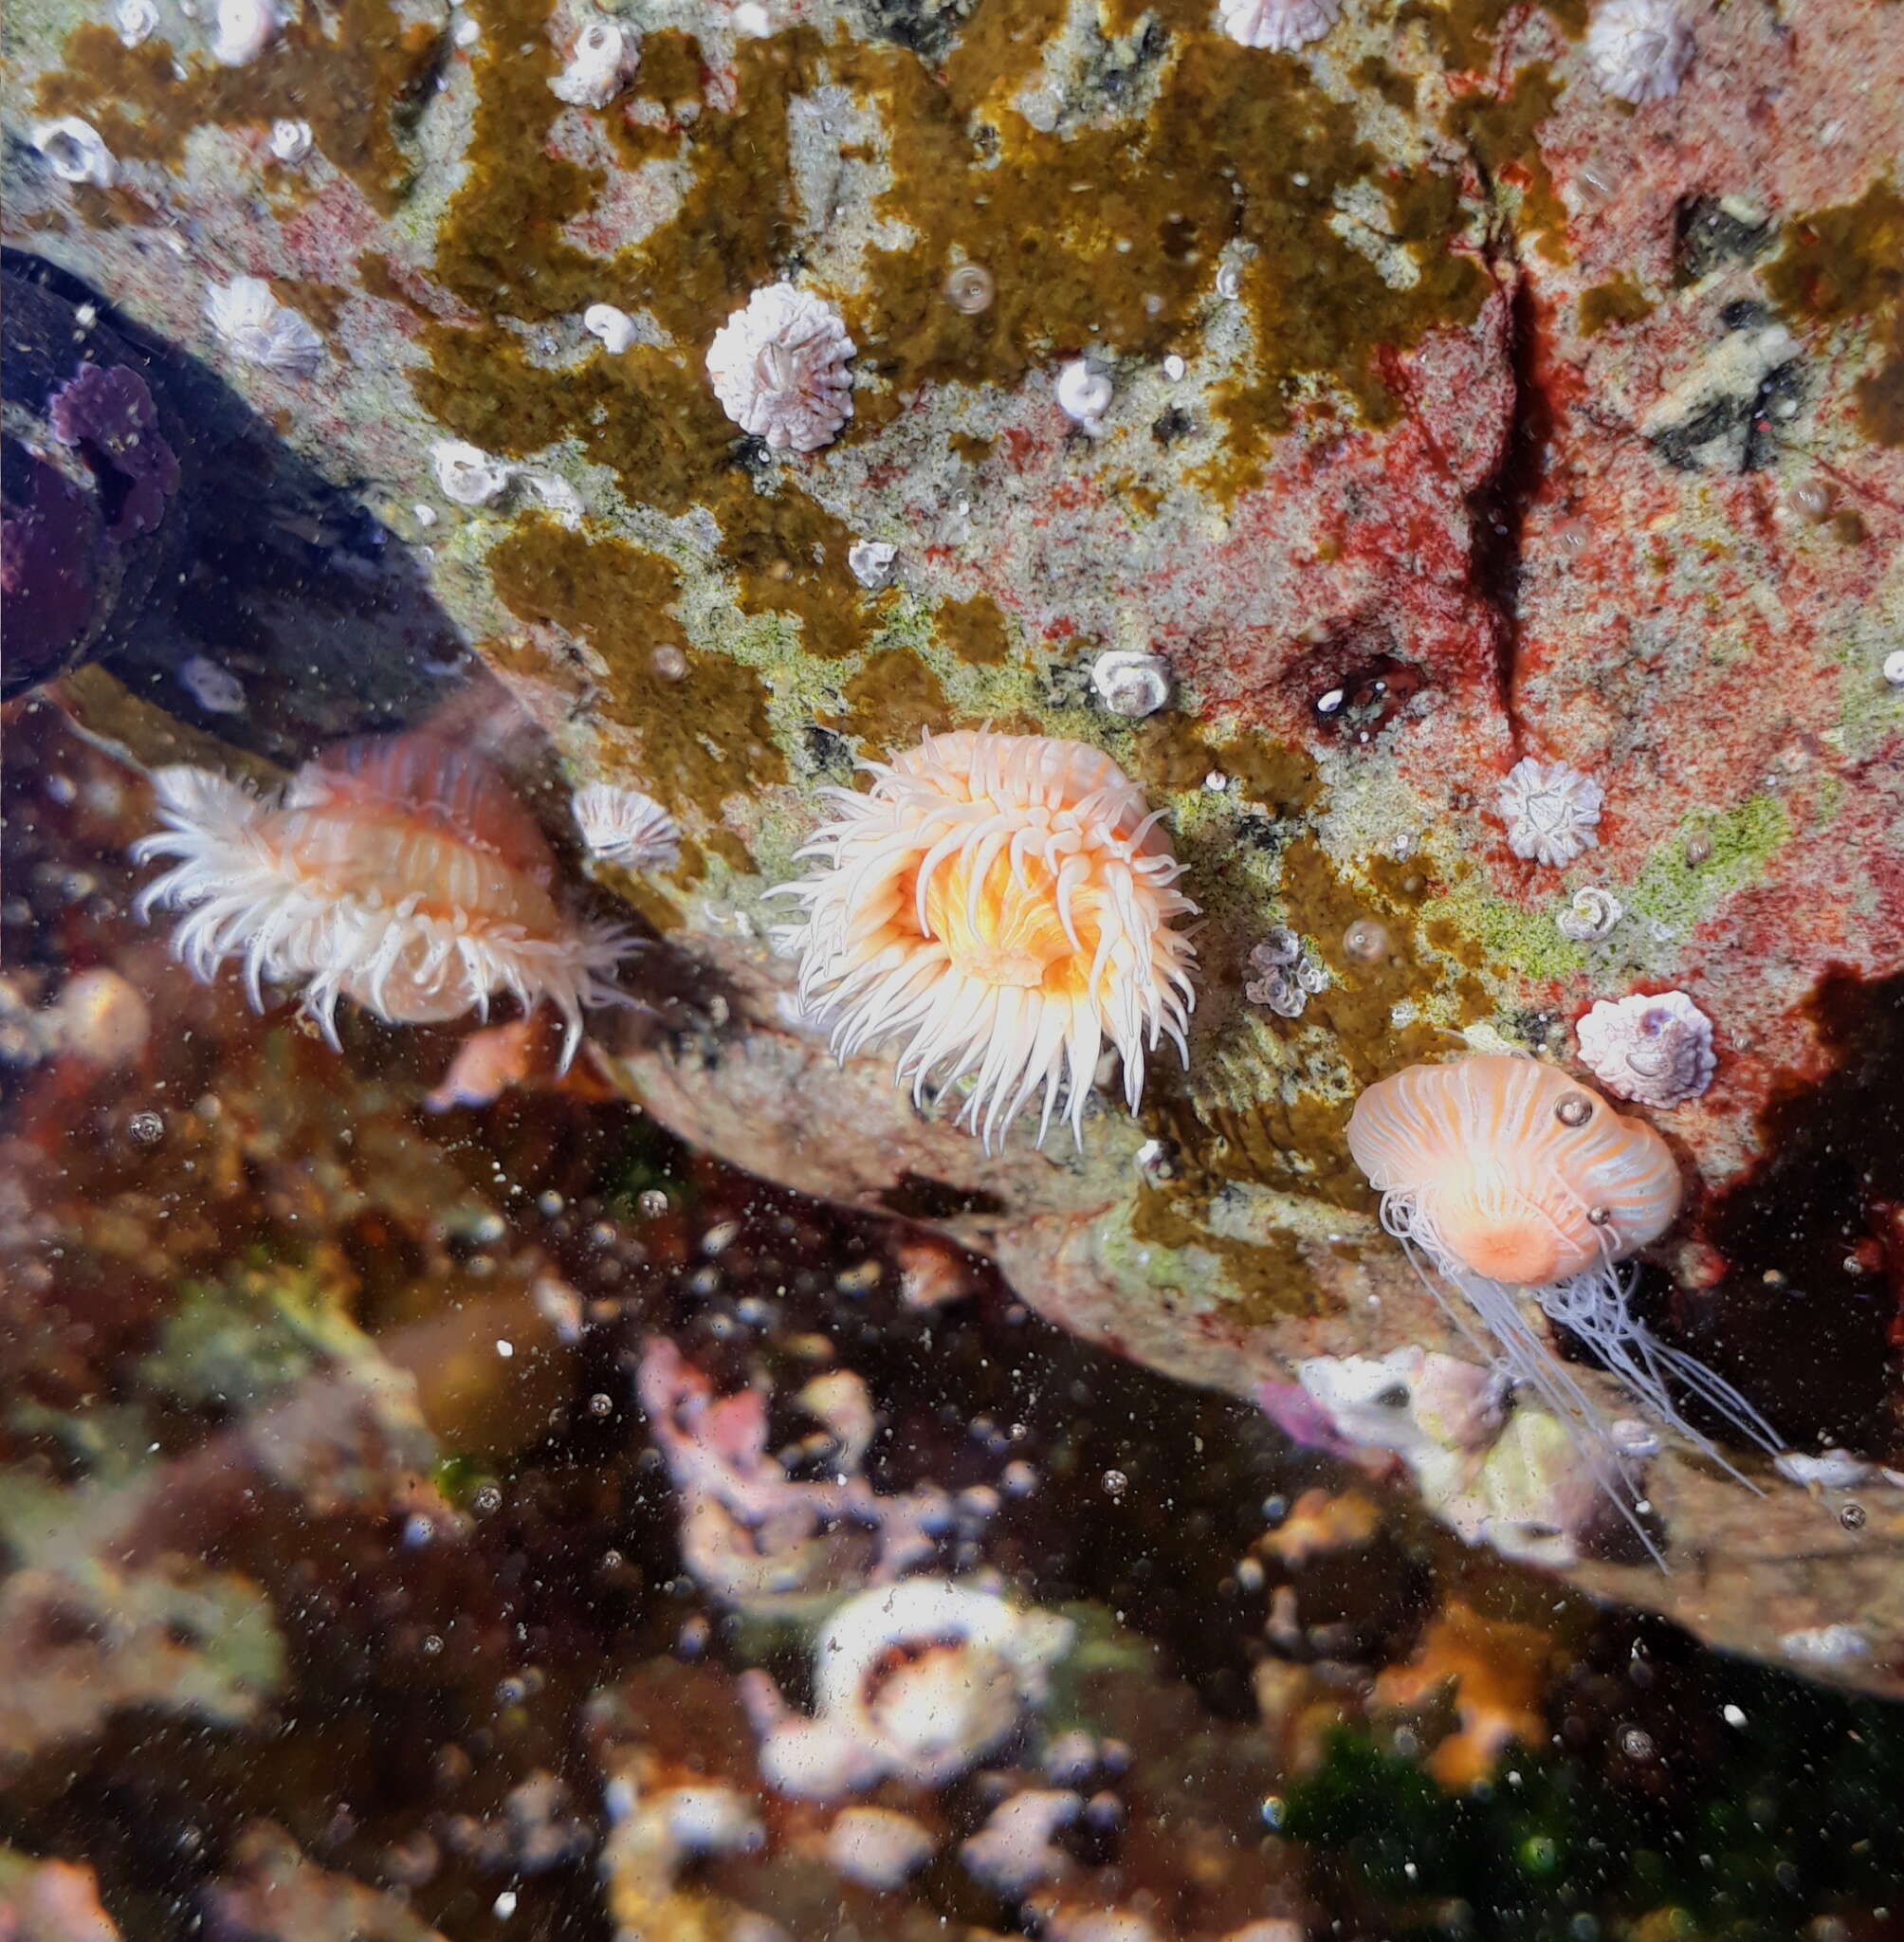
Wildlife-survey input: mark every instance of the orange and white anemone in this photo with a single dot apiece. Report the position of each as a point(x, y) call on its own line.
point(1517, 1182)
point(399, 872)
point(1003, 904)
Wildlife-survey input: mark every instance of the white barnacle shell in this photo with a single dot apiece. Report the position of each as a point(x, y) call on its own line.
point(1591, 916)
point(870, 561)
point(1656, 1048)
point(245, 29)
point(1277, 24)
point(136, 21)
point(625, 826)
point(615, 328)
point(778, 367)
point(1552, 811)
point(602, 63)
point(1825, 1644)
point(1131, 684)
point(75, 151)
point(256, 327)
point(1084, 394)
point(1639, 49)
point(290, 141)
point(466, 473)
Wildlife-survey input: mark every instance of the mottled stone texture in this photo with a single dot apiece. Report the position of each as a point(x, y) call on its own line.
point(1510, 421)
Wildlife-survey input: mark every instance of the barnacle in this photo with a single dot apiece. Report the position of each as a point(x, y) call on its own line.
point(778, 367)
point(1552, 811)
point(259, 329)
point(1639, 49)
point(1654, 1048)
point(1277, 24)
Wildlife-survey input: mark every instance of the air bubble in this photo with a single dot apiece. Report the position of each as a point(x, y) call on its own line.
point(1574, 1111)
point(969, 288)
point(1365, 942)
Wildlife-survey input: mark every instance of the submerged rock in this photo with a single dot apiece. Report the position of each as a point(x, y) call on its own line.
point(1452, 431)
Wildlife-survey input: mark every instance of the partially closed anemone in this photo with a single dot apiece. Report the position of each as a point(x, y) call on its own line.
point(1516, 1185)
point(1515, 1170)
point(401, 872)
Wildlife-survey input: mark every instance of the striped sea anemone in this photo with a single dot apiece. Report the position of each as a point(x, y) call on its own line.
point(1002, 904)
point(399, 872)
point(1516, 1183)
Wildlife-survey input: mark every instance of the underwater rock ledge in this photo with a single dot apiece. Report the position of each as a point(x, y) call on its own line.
point(1431, 400)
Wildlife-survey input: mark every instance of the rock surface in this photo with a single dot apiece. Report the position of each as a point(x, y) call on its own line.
point(1458, 414)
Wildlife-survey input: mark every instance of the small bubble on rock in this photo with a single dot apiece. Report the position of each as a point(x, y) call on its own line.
point(146, 1128)
point(1365, 942)
point(969, 288)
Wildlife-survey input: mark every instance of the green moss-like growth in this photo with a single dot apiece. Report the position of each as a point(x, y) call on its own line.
point(232, 1343)
point(1681, 894)
point(1790, 1816)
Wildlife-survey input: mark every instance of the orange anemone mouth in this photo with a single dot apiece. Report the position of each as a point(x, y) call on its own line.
point(1005, 926)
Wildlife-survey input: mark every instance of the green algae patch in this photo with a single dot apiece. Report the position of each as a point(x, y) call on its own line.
point(1503, 133)
point(1848, 262)
point(705, 735)
point(1264, 1280)
point(358, 86)
point(1620, 300)
point(1521, 939)
point(231, 1343)
point(1670, 890)
point(1738, 843)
